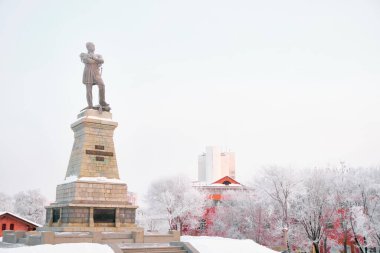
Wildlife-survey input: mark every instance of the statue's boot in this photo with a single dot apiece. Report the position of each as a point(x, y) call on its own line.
point(102, 96)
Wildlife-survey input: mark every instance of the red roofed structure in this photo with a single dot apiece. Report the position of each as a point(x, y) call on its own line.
point(10, 221)
point(226, 181)
point(217, 191)
point(219, 187)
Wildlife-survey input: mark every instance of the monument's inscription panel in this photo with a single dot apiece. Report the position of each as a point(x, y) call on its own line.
point(97, 152)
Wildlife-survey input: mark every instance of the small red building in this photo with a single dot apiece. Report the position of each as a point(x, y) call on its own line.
point(10, 221)
point(217, 191)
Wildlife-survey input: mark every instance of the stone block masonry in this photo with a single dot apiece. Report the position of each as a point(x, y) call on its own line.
point(91, 192)
point(92, 197)
point(93, 152)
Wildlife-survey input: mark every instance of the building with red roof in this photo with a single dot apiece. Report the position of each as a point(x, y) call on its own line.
point(10, 221)
point(218, 191)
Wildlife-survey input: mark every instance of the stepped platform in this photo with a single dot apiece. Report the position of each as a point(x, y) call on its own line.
point(125, 238)
point(173, 247)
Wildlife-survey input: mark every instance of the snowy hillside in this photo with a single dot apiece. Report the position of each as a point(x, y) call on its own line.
point(206, 244)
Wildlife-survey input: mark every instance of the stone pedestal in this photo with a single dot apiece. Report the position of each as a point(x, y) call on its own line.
point(92, 197)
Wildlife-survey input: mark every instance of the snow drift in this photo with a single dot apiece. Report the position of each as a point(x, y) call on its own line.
point(61, 248)
point(206, 244)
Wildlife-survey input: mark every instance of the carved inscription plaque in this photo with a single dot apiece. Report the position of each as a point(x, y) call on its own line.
point(99, 158)
point(98, 152)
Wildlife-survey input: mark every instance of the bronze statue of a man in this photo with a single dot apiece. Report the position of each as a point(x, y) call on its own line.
point(92, 75)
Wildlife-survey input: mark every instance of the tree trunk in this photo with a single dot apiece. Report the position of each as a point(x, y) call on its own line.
point(258, 230)
point(316, 247)
point(345, 244)
point(288, 245)
point(286, 237)
point(358, 244)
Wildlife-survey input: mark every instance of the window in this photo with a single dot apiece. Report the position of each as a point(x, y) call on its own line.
point(4, 227)
point(104, 215)
point(202, 225)
point(12, 227)
point(56, 214)
point(226, 182)
point(30, 228)
point(216, 202)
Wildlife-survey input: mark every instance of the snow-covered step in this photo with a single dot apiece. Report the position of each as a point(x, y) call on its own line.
point(151, 248)
point(119, 237)
point(116, 235)
point(117, 240)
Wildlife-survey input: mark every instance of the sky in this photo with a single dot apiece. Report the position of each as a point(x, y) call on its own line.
point(289, 83)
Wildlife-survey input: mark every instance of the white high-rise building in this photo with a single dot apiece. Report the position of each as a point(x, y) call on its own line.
point(215, 164)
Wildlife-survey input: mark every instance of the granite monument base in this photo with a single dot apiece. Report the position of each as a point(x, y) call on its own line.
point(90, 205)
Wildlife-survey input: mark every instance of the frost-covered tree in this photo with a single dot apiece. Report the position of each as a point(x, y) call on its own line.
point(321, 208)
point(234, 215)
point(372, 204)
point(152, 222)
point(177, 201)
point(343, 180)
point(313, 206)
point(243, 214)
point(364, 213)
point(30, 205)
point(375, 220)
point(6, 204)
point(279, 184)
point(263, 219)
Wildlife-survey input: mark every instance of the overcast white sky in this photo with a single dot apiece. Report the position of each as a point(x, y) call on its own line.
point(291, 83)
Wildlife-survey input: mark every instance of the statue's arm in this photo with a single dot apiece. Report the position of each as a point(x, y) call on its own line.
point(99, 59)
point(86, 59)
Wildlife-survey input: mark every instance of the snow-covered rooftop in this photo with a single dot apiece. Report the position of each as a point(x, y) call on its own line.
point(21, 218)
point(203, 184)
point(229, 185)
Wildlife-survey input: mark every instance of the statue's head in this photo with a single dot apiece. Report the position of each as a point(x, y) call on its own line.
point(90, 47)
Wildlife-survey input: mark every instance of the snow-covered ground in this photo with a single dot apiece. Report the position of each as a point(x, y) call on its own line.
point(204, 244)
point(61, 248)
point(207, 244)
